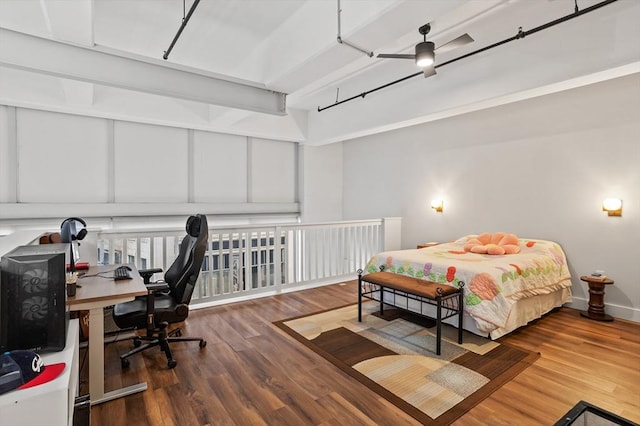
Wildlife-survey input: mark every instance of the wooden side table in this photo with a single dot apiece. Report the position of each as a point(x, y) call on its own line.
point(596, 298)
point(430, 244)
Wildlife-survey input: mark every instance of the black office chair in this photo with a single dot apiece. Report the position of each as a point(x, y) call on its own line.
point(167, 301)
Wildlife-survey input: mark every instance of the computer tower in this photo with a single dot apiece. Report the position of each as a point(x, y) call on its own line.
point(33, 297)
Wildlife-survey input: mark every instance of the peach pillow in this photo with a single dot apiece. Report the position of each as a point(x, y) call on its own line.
point(495, 249)
point(498, 243)
point(471, 242)
point(508, 239)
point(480, 249)
point(497, 237)
point(511, 249)
point(484, 238)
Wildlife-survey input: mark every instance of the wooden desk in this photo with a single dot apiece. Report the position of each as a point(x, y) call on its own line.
point(97, 292)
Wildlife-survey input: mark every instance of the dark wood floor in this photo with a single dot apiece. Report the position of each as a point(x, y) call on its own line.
point(251, 373)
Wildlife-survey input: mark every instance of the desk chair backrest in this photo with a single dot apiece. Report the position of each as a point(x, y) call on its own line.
point(184, 271)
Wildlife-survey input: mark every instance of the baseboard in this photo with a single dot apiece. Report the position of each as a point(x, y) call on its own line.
point(616, 311)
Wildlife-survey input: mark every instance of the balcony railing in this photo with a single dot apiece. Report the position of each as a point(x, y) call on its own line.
point(245, 261)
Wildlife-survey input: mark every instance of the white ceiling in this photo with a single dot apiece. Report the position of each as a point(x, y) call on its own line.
point(291, 46)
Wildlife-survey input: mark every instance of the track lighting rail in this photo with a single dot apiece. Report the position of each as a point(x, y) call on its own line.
point(185, 20)
point(521, 34)
point(347, 43)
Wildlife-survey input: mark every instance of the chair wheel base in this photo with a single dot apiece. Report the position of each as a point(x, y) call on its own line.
point(137, 342)
point(124, 363)
point(172, 363)
point(203, 343)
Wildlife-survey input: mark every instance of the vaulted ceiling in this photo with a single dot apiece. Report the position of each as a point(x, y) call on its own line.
point(236, 61)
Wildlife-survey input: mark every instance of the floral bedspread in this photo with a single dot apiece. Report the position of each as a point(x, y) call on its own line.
point(492, 283)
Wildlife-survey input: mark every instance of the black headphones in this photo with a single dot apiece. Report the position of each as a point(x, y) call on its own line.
point(69, 230)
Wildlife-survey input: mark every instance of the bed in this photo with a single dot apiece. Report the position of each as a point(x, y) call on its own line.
point(501, 292)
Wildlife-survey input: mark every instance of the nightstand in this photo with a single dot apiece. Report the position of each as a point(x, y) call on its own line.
point(429, 244)
point(596, 298)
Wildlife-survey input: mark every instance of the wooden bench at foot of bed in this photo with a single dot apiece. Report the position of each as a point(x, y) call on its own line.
point(439, 295)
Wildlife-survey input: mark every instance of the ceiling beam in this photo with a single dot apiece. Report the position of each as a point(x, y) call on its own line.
point(69, 21)
point(77, 92)
point(93, 65)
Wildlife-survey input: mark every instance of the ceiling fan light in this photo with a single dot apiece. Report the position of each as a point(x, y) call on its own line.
point(424, 61)
point(424, 54)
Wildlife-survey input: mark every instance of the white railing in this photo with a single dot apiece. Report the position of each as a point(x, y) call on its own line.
point(245, 261)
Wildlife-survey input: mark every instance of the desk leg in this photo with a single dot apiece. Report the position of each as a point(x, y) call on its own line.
point(96, 363)
point(96, 354)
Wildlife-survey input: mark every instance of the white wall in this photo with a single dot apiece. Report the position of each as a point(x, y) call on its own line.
point(152, 163)
point(322, 175)
point(52, 161)
point(56, 165)
point(538, 168)
point(273, 171)
point(220, 168)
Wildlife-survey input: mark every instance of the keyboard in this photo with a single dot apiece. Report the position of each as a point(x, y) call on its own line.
point(122, 273)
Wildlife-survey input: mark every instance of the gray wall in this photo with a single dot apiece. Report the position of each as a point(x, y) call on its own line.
point(538, 168)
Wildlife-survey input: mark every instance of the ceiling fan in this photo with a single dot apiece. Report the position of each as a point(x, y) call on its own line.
point(425, 50)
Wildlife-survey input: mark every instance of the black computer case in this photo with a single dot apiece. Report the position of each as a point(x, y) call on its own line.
point(32, 298)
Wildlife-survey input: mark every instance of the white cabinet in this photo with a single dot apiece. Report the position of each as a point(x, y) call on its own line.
point(49, 404)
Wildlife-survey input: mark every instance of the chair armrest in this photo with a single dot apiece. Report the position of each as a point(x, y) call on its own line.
point(152, 288)
point(146, 274)
point(159, 286)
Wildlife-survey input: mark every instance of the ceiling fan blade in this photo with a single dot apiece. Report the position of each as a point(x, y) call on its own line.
point(455, 43)
point(396, 56)
point(429, 71)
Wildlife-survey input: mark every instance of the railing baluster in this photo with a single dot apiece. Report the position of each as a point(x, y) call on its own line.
point(152, 252)
point(284, 256)
point(219, 283)
point(277, 259)
point(299, 259)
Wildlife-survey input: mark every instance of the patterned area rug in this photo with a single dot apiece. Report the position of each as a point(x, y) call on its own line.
point(395, 356)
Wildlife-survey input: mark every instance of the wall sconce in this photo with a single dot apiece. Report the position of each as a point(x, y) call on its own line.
point(613, 206)
point(437, 205)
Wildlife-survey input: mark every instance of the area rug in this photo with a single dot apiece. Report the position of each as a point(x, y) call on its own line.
point(395, 356)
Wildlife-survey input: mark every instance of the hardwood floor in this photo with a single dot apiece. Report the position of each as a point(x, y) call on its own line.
point(251, 373)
